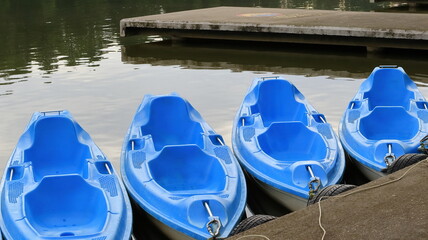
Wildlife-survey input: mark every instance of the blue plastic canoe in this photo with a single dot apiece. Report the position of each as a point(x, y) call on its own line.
point(386, 119)
point(59, 185)
point(284, 143)
point(178, 170)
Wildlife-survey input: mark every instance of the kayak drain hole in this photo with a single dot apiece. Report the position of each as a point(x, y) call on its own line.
point(66, 234)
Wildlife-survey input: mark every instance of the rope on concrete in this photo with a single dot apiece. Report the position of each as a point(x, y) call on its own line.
point(253, 235)
point(361, 190)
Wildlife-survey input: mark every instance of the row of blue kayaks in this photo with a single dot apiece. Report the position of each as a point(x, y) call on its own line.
point(59, 185)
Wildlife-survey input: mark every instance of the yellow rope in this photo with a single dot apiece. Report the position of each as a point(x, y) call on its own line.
point(253, 235)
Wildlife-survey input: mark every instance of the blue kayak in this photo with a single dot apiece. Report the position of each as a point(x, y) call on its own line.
point(59, 185)
point(386, 119)
point(177, 169)
point(285, 144)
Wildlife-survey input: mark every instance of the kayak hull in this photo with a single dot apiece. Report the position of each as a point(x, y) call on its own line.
point(177, 169)
point(386, 119)
point(284, 143)
point(58, 184)
point(289, 201)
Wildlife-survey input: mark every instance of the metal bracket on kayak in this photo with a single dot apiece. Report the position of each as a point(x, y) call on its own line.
point(314, 184)
point(11, 174)
point(108, 168)
point(423, 147)
point(214, 224)
point(220, 141)
point(52, 112)
point(388, 66)
point(273, 77)
point(390, 156)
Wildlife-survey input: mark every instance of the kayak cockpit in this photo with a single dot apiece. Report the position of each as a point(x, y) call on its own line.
point(270, 103)
point(186, 170)
point(387, 123)
point(56, 203)
point(305, 144)
point(174, 128)
point(389, 88)
point(56, 149)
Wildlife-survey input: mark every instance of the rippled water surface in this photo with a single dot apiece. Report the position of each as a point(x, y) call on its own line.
point(68, 55)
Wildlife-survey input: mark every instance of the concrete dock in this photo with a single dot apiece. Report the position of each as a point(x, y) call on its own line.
point(392, 207)
point(369, 29)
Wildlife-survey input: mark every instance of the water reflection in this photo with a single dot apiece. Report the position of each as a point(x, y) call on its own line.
point(47, 35)
point(277, 58)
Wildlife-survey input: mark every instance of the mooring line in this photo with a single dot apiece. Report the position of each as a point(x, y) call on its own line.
point(253, 235)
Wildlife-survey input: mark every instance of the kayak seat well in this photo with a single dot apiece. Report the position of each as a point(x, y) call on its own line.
point(65, 206)
point(292, 141)
point(187, 169)
point(277, 102)
point(387, 123)
point(56, 149)
point(389, 88)
point(170, 123)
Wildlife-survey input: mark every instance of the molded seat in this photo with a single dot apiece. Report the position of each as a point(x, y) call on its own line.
point(56, 149)
point(170, 123)
point(292, 141)
point(188, 169)
point(389, 88)
point(277, 102)
point(389, 123)
point(66, 206)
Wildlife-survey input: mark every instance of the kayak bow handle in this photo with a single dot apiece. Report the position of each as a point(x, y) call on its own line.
point(314, 184)
point(389, 156)
point(214, 223)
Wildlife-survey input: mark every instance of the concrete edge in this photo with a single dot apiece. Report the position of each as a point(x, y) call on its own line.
point(282, 29)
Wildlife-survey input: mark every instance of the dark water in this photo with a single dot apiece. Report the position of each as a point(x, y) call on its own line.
point(50, 34)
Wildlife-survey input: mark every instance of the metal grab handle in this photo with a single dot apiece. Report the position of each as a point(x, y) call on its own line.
point(108, 168)
point(390, 156)
point(214, 224)
point(388, 66)
point(220, 141)
point(273, 77)
point(54, 111)
point(11, 174)
point(315, 183)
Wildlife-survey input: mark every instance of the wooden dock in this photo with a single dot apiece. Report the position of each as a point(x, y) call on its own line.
point(369, 29)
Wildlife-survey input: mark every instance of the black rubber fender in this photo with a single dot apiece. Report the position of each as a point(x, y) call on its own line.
point(251, 222)
point(330, 191)
point(405, 161)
